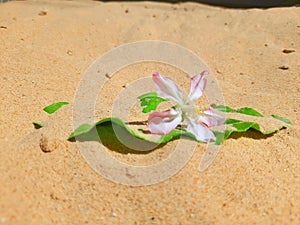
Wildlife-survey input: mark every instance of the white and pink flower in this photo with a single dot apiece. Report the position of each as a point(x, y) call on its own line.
point(198, 119)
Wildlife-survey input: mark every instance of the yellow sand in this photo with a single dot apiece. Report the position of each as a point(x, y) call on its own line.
point(46, 46)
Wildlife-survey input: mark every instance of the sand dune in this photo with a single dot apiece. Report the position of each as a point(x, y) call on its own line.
point(46, 47)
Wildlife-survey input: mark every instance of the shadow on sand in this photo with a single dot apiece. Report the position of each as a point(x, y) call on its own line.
point(118, 139)
point(239, 3)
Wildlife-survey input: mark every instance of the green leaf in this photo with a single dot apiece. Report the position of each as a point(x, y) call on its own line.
point(244, 126)
point(249, 111)
point(246, 110)
point(54, 107)
point(220, 137)
point(150, 101)
point(223, 108)
point(37, 125)
point(232, 121)
point(109, 127)
point(282, 119)
point(82, 129)
point(239, 127)
point(114, 127)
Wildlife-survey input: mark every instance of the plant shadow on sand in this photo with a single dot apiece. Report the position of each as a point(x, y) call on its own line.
point(251, 133)
point(118, 139)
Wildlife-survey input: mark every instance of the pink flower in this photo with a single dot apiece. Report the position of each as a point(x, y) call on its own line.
point(198, 119)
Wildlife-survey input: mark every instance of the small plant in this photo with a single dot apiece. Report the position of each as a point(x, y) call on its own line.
point(185, 118)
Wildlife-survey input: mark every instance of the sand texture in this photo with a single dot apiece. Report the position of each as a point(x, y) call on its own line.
point(46, 46)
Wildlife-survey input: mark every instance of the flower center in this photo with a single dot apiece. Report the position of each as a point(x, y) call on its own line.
point(192, 111)
point(199, 110)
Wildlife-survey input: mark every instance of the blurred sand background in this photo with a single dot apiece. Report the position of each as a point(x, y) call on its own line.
point(46, 46)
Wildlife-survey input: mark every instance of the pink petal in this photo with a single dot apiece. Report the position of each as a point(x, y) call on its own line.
point(166, 88)
point(211, 119)
point(198, 83)
point(201, 131)
point(164, 122)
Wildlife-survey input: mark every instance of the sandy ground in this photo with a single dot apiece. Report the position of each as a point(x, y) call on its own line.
point(46, 46)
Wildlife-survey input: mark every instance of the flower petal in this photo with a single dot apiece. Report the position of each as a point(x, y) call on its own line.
point(200, 130)
point(198, 83)
point(163, 122)
point(211, 119)
point(166, 88)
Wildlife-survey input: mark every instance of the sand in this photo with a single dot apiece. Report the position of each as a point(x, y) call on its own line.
point(46, 46)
